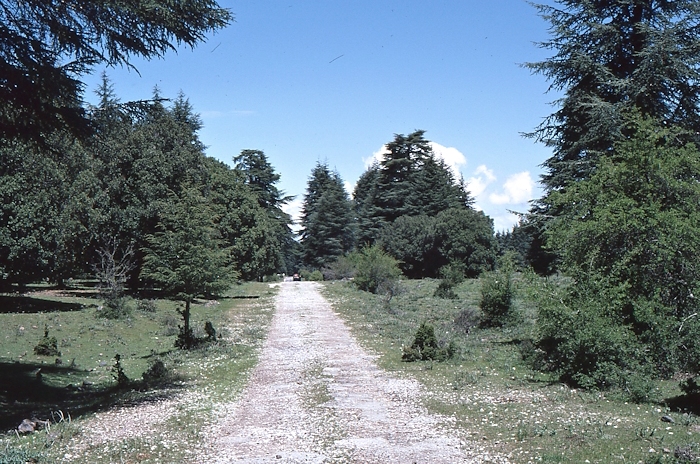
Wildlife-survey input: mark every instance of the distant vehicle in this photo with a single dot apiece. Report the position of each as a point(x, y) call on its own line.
point(296, 278)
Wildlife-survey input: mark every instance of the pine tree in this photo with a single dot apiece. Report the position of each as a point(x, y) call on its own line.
point(611, 57)
point(186, 257)
point(260, 176)
point(327, 219)
point(409, 181)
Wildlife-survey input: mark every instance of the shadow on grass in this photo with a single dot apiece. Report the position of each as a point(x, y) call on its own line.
point(26, 304)
point(25, 395)
point(685, 403)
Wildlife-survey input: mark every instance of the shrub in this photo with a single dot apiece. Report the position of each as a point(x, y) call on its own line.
point(156, 374)
point(47, 346)
point(425, 347)
point(115, 308)
point(342, 268)
point(445, 290)
point(170, 324)
point(118, 372)
point(146, 306)
point(467, 319)
point(497, 299)
point(691, 386)
point(376, 270)
point(454, 272)
point(315, 276)
point(209, 330)
point(586, 343)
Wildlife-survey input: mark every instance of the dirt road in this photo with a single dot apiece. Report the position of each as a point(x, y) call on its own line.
point(317, 397)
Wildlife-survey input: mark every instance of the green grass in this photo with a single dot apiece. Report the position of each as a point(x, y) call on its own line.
point(82, 384)
point(491, 396)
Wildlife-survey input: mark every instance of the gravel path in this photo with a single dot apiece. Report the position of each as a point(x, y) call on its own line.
point(317, 397)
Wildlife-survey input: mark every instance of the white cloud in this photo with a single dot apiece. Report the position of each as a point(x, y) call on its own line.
point(293, 208)
point(451, 156)
point(517, 189)
point(376, 157)
point(349, 187)
point(481, 178)
point(505, 221)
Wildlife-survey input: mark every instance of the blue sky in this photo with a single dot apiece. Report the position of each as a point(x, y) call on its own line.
point(333, 81)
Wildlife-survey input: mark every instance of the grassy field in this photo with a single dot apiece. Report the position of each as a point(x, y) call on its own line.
point(491, 395)
point(71, 388)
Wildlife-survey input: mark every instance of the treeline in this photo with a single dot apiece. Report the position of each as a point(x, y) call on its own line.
point(67, 201)
point(409, 204)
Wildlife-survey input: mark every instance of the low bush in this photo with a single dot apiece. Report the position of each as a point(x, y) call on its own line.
point(377, 272)
point(497, 299)
point(156, 374)
point(467, 319)
point(425, 347)
point(47, 346)
point(115, 308)
point(342, 268)
point(146, 306)
point(118, 372)
point(446, 289)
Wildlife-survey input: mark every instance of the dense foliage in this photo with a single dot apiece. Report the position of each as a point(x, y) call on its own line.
point(620, 207)
point(328, 225)
point(47, 46)
point(67, 199)
point(629, 236)
point(411, 204)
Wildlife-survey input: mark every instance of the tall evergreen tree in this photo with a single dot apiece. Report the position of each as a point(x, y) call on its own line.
point(260, 176)
point(327, 219)
point(408, 181)
point(609, 58)
point(245, 227)
point(48, 45)
point(186, 257)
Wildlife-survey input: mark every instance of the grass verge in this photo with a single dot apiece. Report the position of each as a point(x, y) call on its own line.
point(96, 420)
point(492, 397)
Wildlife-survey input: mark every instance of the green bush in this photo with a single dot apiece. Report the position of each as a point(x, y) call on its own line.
point(118, 372)
point(584, 340)
point(453, 272)
point(316, 276)
point(376, 270)
point(445, 290)
point(497, 299)
point(47, 346)
point(467, 319)
point(115, 308)
point(342, 268)
point(156, 374)
point(425, 347)
point(146, 306)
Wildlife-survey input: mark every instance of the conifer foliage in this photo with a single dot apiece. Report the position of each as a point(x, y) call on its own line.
point(48, 45)
point(327, 219)
point(411, 204)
